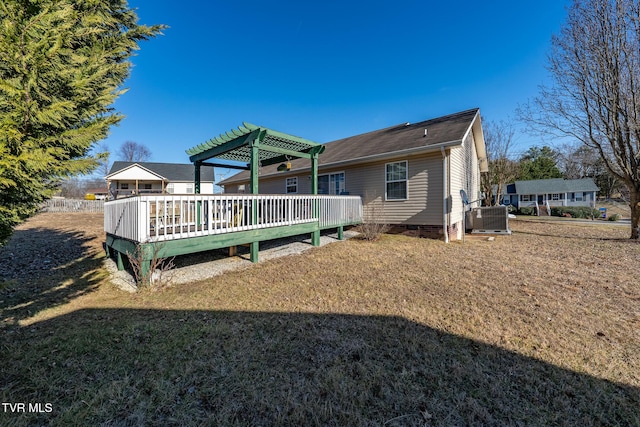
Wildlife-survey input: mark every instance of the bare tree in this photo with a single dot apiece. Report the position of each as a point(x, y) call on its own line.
point(133, 152)
point(498, 138)
point(595, 96)
point(578, 161)
point(103, 155)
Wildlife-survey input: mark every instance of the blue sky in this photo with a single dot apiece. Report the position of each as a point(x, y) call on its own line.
point(331, 69)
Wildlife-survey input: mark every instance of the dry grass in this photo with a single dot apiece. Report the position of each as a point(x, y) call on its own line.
point(539, 328)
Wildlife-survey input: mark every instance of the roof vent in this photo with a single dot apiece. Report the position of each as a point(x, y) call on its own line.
point(425, 132)
point(407, 124)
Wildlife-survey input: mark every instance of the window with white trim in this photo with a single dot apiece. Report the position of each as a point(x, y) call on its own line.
point(331, 183)
point(169, 188)
point(189, 189)
point(555, 196)
point(292, 185)
point(579, 197)
point(396, 178)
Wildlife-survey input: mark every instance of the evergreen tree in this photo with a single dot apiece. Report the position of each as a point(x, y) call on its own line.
point(539, 163)
point(62, 65)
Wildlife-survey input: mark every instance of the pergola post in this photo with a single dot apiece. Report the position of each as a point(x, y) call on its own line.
point(255, 165)
point(196, 178)
point(315, 237)
point(196, 190)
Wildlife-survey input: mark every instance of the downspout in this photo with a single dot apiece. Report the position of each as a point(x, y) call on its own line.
point(445, 196)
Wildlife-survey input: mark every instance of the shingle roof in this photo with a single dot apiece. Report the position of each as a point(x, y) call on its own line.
point(175, 172)
point(555, 185)
point(398, 138)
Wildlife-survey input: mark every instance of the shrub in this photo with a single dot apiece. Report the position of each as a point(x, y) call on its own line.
point(575, 212)
point(373, 224)
point(614, 217)
point(153, 274)
point(527, 211)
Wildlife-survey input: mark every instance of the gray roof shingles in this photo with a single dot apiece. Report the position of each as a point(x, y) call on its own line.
point(176, 172)
point(555, 185)
point(396, 138)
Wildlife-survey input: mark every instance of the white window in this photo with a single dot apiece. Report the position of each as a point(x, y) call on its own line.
point(124, 186)
point(555, 196)
point(527, 198)
point(578, 197)
point(332, 183)
point(292, 185)
point(396, 180)
point(169, 188)
point(189, 189)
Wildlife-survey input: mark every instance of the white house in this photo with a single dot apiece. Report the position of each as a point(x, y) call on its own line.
point(133, 178)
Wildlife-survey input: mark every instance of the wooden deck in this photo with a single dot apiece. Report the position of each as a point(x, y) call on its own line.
point(181, 224)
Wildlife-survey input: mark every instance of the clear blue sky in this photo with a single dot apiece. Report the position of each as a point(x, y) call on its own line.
point(325, 70)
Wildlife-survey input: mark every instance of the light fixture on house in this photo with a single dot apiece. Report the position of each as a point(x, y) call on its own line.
point(284, 167)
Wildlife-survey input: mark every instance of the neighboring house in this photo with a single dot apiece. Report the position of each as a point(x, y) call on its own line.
point(555, 192)
point(410, 174)
point(131, 178)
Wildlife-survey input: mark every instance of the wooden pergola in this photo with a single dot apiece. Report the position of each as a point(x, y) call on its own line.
point(256, 146)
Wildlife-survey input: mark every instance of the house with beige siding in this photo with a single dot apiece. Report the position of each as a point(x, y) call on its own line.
point(408, 175)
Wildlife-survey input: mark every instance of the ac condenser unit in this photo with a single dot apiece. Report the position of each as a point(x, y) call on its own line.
point(490, 220)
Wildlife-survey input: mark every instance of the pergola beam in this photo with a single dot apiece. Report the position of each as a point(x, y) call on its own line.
point(223, 165)
point(231, 145)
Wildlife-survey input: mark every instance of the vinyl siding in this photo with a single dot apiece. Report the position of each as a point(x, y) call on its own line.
point(424, 203)
point(464, 175)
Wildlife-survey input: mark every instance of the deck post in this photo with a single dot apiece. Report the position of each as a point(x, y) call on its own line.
point(119, 261)
point(254, 249)
point(315, 236)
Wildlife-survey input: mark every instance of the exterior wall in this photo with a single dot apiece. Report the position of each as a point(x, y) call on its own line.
point(189, 188)
point(232, 189)
point(424, 190)
point(464, 175)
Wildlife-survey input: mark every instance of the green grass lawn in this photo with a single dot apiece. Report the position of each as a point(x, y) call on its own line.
point(538, 328)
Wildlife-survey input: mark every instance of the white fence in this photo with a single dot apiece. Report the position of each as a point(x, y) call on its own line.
point(73, 205)
point(168, 217)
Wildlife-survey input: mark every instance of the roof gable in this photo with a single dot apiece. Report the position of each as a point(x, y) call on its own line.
point(403, 138)
point(133, 172)
point(173, 172)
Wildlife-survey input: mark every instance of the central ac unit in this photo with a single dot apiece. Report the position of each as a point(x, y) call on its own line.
point(489, 220)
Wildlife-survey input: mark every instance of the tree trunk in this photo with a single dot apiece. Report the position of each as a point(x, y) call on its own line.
point(634, 196)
